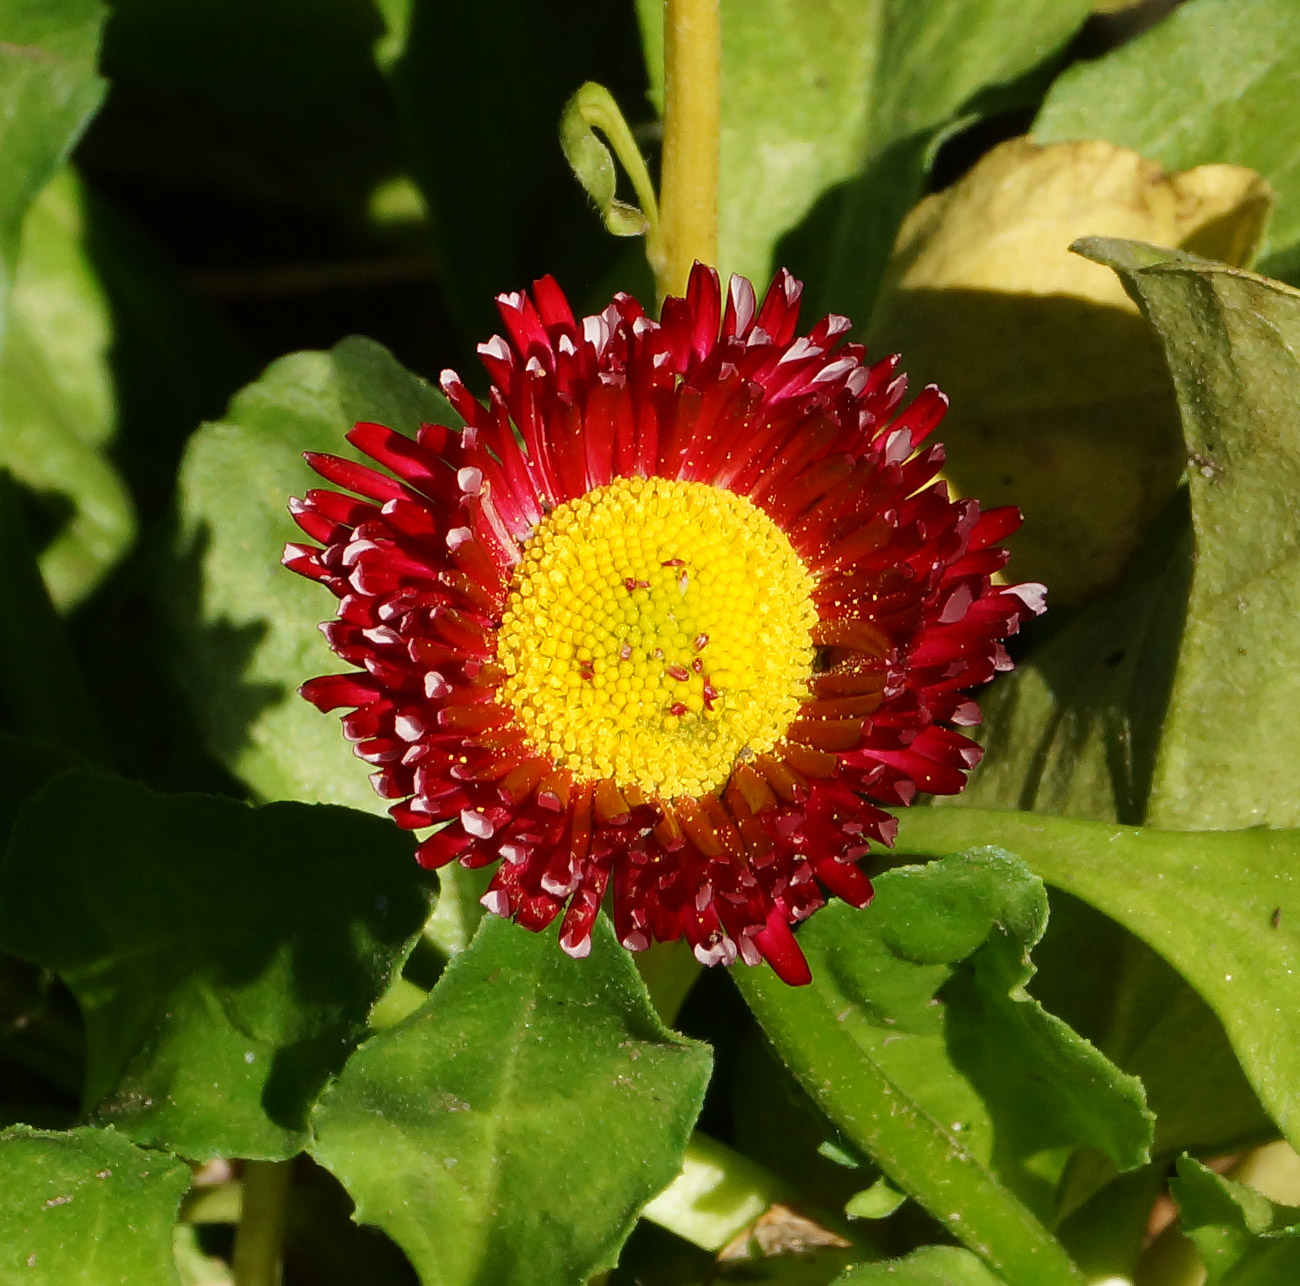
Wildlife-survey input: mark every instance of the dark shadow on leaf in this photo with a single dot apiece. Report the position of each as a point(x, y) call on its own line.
point(326, 1246)
point(1110, 674)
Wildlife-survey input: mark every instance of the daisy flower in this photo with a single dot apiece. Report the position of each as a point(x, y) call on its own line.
point(671, 617)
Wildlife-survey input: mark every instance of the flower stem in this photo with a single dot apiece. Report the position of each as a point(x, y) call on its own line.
point(688, 180)
point(718, 1194)
point(260, 1235)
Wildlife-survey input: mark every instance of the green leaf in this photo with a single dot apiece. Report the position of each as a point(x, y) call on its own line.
point(859, 81)
point(1163, 1032)
point(1227, 755)
point(64, 309)
point(1242, 1236)
point(57, 400)
point(971, 1103)
point(1165, 701)
point(86, 1208)
point(225, 958)
point(512, 1128)
point(26, 764)
point(1216, 81)
point(1221, 907)
point(929, 1266)
point(245, 630)
point(50, 91)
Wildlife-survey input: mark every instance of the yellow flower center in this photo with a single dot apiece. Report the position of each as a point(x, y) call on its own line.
point(656, 632)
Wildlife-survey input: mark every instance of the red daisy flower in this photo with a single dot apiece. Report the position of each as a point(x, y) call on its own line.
point(678, 608)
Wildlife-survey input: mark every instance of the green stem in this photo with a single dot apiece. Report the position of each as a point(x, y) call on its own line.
point(259, 1238)
point(718, 1194)
point(916, 1153)
point(688, 179)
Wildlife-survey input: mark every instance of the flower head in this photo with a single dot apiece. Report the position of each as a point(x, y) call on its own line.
point(676, 611)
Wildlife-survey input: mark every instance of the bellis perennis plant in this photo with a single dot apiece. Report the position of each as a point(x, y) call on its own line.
point(675, 612)
point(668, 634)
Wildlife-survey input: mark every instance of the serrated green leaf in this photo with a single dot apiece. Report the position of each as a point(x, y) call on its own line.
point(864, 88)
point(971, 1104)
point(87, 1208)
point(225, 958)
point(244, 628)
point(1242, 1237)
point(1221, 906)
point(929, 1266)
point(1215, 81)
point(512, 1128)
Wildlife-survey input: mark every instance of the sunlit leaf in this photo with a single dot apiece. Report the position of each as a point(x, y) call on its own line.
point(512, 1128)
point(865, 89)
point(929, 1266)
point(57, 400)
point(1243, 1238)
point(246, 628)
point(50, 90)
point(1216, 81)
point(1220, 906)
point(86, 1208)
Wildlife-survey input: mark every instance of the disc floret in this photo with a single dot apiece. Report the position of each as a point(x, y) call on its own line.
point(657, 631)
